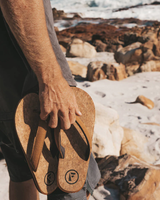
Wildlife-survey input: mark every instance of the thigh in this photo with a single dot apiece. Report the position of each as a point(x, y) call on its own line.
point(16, 163)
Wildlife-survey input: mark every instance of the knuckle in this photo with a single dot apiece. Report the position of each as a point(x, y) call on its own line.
point(62, 113)
point(72, 107)
point(67, 126)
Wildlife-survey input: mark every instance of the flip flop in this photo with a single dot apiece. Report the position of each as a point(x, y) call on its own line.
point(75, 146)
point(36, 140)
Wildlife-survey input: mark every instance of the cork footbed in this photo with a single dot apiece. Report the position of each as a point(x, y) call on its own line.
point(30, 128)
point(74, 157)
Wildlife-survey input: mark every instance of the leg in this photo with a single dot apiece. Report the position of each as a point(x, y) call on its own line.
point(88, 195)
point(23, 190)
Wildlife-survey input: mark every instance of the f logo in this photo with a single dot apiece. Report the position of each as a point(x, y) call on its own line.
point(72, 177)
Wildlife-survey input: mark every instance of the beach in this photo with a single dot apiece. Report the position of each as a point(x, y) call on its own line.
point(121, 73)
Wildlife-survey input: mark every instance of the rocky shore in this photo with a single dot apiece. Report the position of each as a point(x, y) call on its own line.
point(135, 49)
point(124, 143)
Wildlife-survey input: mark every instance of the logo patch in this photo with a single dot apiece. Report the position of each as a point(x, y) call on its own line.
point(49, 178)
point(72, 177)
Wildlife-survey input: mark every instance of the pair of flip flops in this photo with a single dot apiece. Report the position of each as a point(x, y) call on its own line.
point(56, 158)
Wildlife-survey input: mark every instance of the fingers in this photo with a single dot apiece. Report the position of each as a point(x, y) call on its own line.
point(65, 111)
point(72, 115)
point(44, 112)
point(53, 121)
point(65, 120)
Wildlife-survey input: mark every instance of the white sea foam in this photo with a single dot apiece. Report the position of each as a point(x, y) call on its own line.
point(106, 8)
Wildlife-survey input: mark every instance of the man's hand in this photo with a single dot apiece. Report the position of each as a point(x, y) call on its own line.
point(57, 100)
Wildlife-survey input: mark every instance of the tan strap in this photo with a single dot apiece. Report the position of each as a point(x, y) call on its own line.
point(38, 144)
point(85, 132)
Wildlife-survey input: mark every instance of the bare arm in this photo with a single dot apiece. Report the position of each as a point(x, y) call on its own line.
point(26, 19)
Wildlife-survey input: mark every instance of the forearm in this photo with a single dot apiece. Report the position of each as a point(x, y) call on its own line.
point(26, 19)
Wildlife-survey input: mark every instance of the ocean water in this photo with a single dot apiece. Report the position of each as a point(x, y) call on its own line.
point(106, 8)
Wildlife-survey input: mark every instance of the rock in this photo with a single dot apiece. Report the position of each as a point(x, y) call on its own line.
point(148, 34)
point(150, 66)
point(90, 32)
point(63, 48)
point(114, 71)
point(56, 29)
point(129, 54)
point(58, 14)
point(130, 37)
point(113, 48)
point(135, 144)
point(76, 15)
point(145, 101)
point(132, 68)
point(108, 133)
point(77, 69)
point(99, 45)
point(95, 72)
point(65, 42)
point(148, 54)
point(110, 72)
point(78, 48)
point(136, 180)
point(156, 48)
point(99, 70)
point(102, 47)
point(120, 72)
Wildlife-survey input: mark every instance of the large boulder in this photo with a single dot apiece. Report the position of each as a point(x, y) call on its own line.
point(132, 68)
point(148, 53)
point(115, 71)
point(150, 66)
point(108, 134)
point(58, 14)
point(120, 72)
point(135, 144)
point(98, 70)
point(157, 48)
point(130, 38)
point(95, 72)
point(100, 46)
point(129, 54)
point(78, 70)
point(148, 34)
point(135, 179)
point(79, 48)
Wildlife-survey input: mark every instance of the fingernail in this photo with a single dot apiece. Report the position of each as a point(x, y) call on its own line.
point(79, 112)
